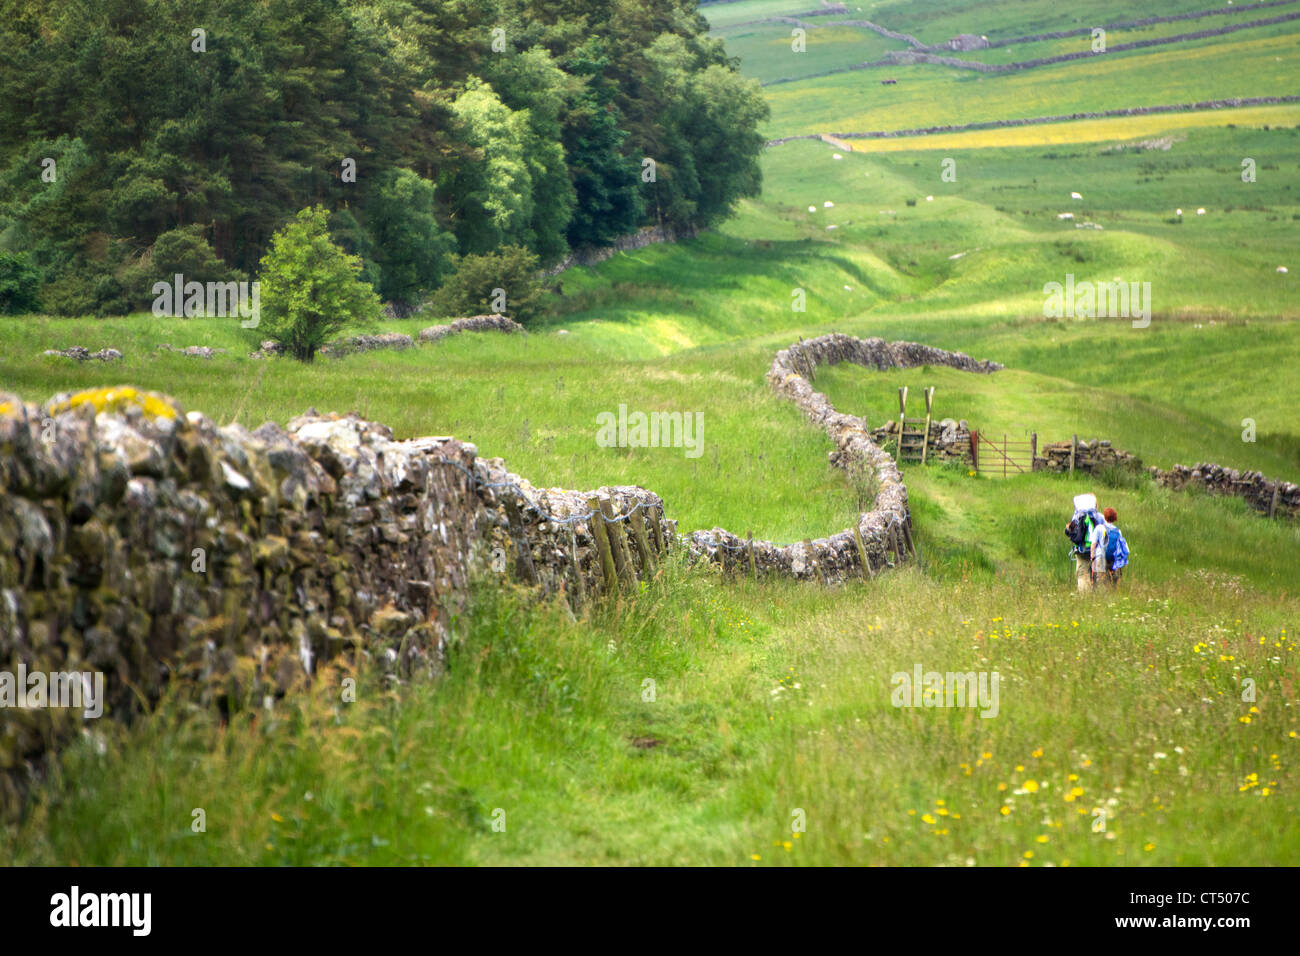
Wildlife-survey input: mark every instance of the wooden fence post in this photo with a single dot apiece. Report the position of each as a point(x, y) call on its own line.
point(867, 569)
point(1074, 443)
point(1272, 508)
point(749, 546)
point(618, 543)
point(975, 450)
point(648, 564)
point(656, 528)
point(602, 545)
point(524, 555)
point(579, 587)
point(1033, 449)
point(907, 539)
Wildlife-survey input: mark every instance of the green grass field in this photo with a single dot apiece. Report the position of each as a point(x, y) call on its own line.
point(775, 697)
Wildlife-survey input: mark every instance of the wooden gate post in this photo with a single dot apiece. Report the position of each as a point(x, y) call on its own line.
point(929, 410)
point(1033, 449)
point(902, 415)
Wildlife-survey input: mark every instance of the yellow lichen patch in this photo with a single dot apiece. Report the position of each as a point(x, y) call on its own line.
point(8, 408)
point(116, 399)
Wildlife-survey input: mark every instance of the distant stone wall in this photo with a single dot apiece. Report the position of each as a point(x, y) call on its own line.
point(1265, 495)
point(395, 341)
point(1143, 22)
point(475, 323)
point(1089, 455)
point(645, 236)
point(1234, 103)
point(920, 52)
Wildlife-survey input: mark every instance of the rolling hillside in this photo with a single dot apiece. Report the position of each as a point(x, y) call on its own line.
point(775, 695)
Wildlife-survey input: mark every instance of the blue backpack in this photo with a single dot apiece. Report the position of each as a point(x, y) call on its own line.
point(1116, 548)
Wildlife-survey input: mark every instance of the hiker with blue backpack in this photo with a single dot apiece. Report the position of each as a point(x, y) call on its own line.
point(1109, 549)
point(1098, 545)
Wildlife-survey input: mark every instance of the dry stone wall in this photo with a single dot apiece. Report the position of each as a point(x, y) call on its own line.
point(645, 236)
point(1266, 495)
point(144, 543)
point(141, 542)
point(475, 323)
point(879, 537)
point(1089, 455)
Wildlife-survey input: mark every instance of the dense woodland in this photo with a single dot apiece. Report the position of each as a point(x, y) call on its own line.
point(181, 152)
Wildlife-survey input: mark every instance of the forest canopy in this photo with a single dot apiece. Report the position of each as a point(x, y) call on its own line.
point(141, 138)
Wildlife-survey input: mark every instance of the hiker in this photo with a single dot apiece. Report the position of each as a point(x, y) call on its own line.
point(1080, 530)
point(1109, 549)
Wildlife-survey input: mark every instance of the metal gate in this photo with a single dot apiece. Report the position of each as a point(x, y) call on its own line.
point(1002, 458)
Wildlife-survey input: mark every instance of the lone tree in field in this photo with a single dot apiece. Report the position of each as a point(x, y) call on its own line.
point(310, 287)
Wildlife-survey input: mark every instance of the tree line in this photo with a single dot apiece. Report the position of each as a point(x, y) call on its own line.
point(144, 138)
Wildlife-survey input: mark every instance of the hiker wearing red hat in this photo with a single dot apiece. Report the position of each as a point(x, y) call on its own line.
point(1108, 549)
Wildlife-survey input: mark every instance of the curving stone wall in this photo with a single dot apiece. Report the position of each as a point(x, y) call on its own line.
point(836, 558)
point(141, 542)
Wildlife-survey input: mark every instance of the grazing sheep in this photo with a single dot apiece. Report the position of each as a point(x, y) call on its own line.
point(1065, 215)
point(828, 204)
point(1201, 211)
point(1075, 196)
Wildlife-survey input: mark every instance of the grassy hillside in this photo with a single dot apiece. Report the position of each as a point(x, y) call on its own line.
point(772, 697)
point(928, 95)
